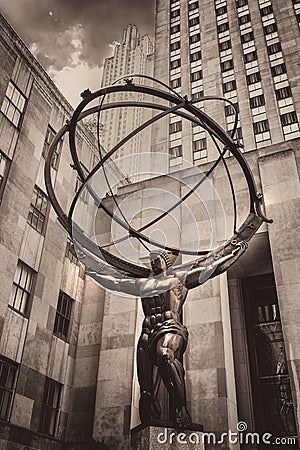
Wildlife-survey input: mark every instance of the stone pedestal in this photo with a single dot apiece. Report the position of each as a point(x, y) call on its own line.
point(166, 438)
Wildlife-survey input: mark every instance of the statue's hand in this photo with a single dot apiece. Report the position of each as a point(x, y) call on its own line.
point(240, 247)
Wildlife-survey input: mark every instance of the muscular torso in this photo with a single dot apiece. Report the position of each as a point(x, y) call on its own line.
point(162, 307)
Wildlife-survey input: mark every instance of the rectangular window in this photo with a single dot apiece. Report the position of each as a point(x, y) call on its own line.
point(196, 76)
point(195, 56)
point(199, 149)
point(194, 21)
point(193, 6)
point(175, 46)
point(50, 135)
point(229, 110)
point(175, 13)
point(247, 37)
point(241, 3)
point(197, 96)
point(230, 86)
point(266, 10)
point(221, 11)
point(13, 104)
point(38, 210)
point(175, 127)
point(175, 152)
point(175, 83)
point(223, 27)
point(288, 118)
point(22, 288)
point(174, 64)
point(223, 46)
point(194, 38)
point(270, 28)
point(8, 375)
point(4, 164)
point(63, 316)
point(261, 127)
point(284, 92)
point(249, 57)
point(244, 19)
point(253, 78)
point(256, 102)
point(278, 70)
point(227, 65)
point(175, 29)
point(274, 48)
point(50, 407)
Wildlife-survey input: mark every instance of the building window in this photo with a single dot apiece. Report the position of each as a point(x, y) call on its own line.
point(4, 165)
point(241, 3)
point(284, 92)
point(270, 28)
point(221, 11)
point(223, 46)
point(266, 10)
point(261, 127)
point(175, 29)
point(196, 76)
point(253, 78)
point(8, 374)
point(197, 96)
point(247, 37)
point(174, 64)
point(244, 19)
point(175, 127)
point(175, 83)
point(229, 86)
point(200, 149)
point(274, 48)
point(288, 118)
point(175, 13)
point(194, 21)
point(194, 38)
point(22, 288)
point(13, 104)
point(50, 135)
point(229, 110)
point(50, 407)
point(193, 6)
point(227, 65)
point(175, 46)
point(249, 57)
point(63, 316)
point(195, 56)
point(278, 70)
point(38, 210)
point(223, 27)
point(256, 102)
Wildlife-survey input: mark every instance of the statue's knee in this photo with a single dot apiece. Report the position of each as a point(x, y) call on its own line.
point(165, 356)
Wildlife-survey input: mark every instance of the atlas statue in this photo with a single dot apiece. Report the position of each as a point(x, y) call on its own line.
point(164, 285)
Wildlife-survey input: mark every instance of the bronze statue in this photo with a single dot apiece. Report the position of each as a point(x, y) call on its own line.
point(164, 338)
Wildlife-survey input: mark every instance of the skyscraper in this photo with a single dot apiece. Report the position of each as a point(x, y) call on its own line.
point(244, 51)
point(132, 55)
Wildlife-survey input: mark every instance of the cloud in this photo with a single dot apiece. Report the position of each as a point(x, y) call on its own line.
point(58, 31)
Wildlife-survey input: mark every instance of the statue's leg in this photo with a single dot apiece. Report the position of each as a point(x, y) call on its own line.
point(145, 371)
point(169, 349)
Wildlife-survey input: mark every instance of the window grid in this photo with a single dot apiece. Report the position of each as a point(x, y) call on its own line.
point(50, 407)
point(38, 210)
point(22, 287)
point(50, 135)
point(63, 316)
point(8, 375)
point(13, 104)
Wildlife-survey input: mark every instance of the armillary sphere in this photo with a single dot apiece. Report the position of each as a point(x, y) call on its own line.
point(176, 105)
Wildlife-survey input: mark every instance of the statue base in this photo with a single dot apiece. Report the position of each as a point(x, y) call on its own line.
point(158, 437)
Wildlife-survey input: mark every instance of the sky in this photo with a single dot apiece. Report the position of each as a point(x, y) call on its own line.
point(70, 38)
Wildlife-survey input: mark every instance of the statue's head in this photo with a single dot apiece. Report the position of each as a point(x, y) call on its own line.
point(161, 261)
